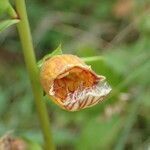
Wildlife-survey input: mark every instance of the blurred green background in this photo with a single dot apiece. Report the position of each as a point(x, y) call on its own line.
point(116, 30)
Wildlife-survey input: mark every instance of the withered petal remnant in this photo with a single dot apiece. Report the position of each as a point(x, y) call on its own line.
point(71, 84)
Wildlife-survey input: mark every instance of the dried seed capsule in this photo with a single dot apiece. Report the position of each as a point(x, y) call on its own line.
point(71, 84)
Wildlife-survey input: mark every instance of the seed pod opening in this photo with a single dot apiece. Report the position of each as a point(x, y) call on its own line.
point(71, 84)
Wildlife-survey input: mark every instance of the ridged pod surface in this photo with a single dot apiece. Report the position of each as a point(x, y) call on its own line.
point(71, 84)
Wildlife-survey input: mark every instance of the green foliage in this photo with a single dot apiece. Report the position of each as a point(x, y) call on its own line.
point(144, 24)
point(99, 133)
point(6, 23)
point(4, 4)
point(116, 48)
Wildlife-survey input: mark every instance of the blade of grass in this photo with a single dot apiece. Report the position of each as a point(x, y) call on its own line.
point(135, 73)
point(131, 118)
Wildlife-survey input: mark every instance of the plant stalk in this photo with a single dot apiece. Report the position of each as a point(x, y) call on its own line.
point(30, 61)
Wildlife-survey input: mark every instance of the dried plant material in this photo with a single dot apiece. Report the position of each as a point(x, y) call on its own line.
point(117, 108)
point(71, 84)
point(123, 8)
point(7, 142)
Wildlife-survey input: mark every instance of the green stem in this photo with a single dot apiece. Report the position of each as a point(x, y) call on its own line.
point(30, 60)
point(93, 58)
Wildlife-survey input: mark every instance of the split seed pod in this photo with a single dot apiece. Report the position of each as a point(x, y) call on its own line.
point(71, 84)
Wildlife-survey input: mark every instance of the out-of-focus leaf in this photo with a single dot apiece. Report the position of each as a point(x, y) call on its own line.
point(146, 99)
point(117, 60)
point(99, 134)
point(4, 4)
point(33, 146)
point(129, 122)
point(3, 101)
point(87, 51)
point(32, 135)
point(144, 24)
point(64, 137)
point(6, 23)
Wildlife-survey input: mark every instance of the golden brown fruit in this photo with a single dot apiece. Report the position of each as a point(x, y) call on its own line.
point(71, 84)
